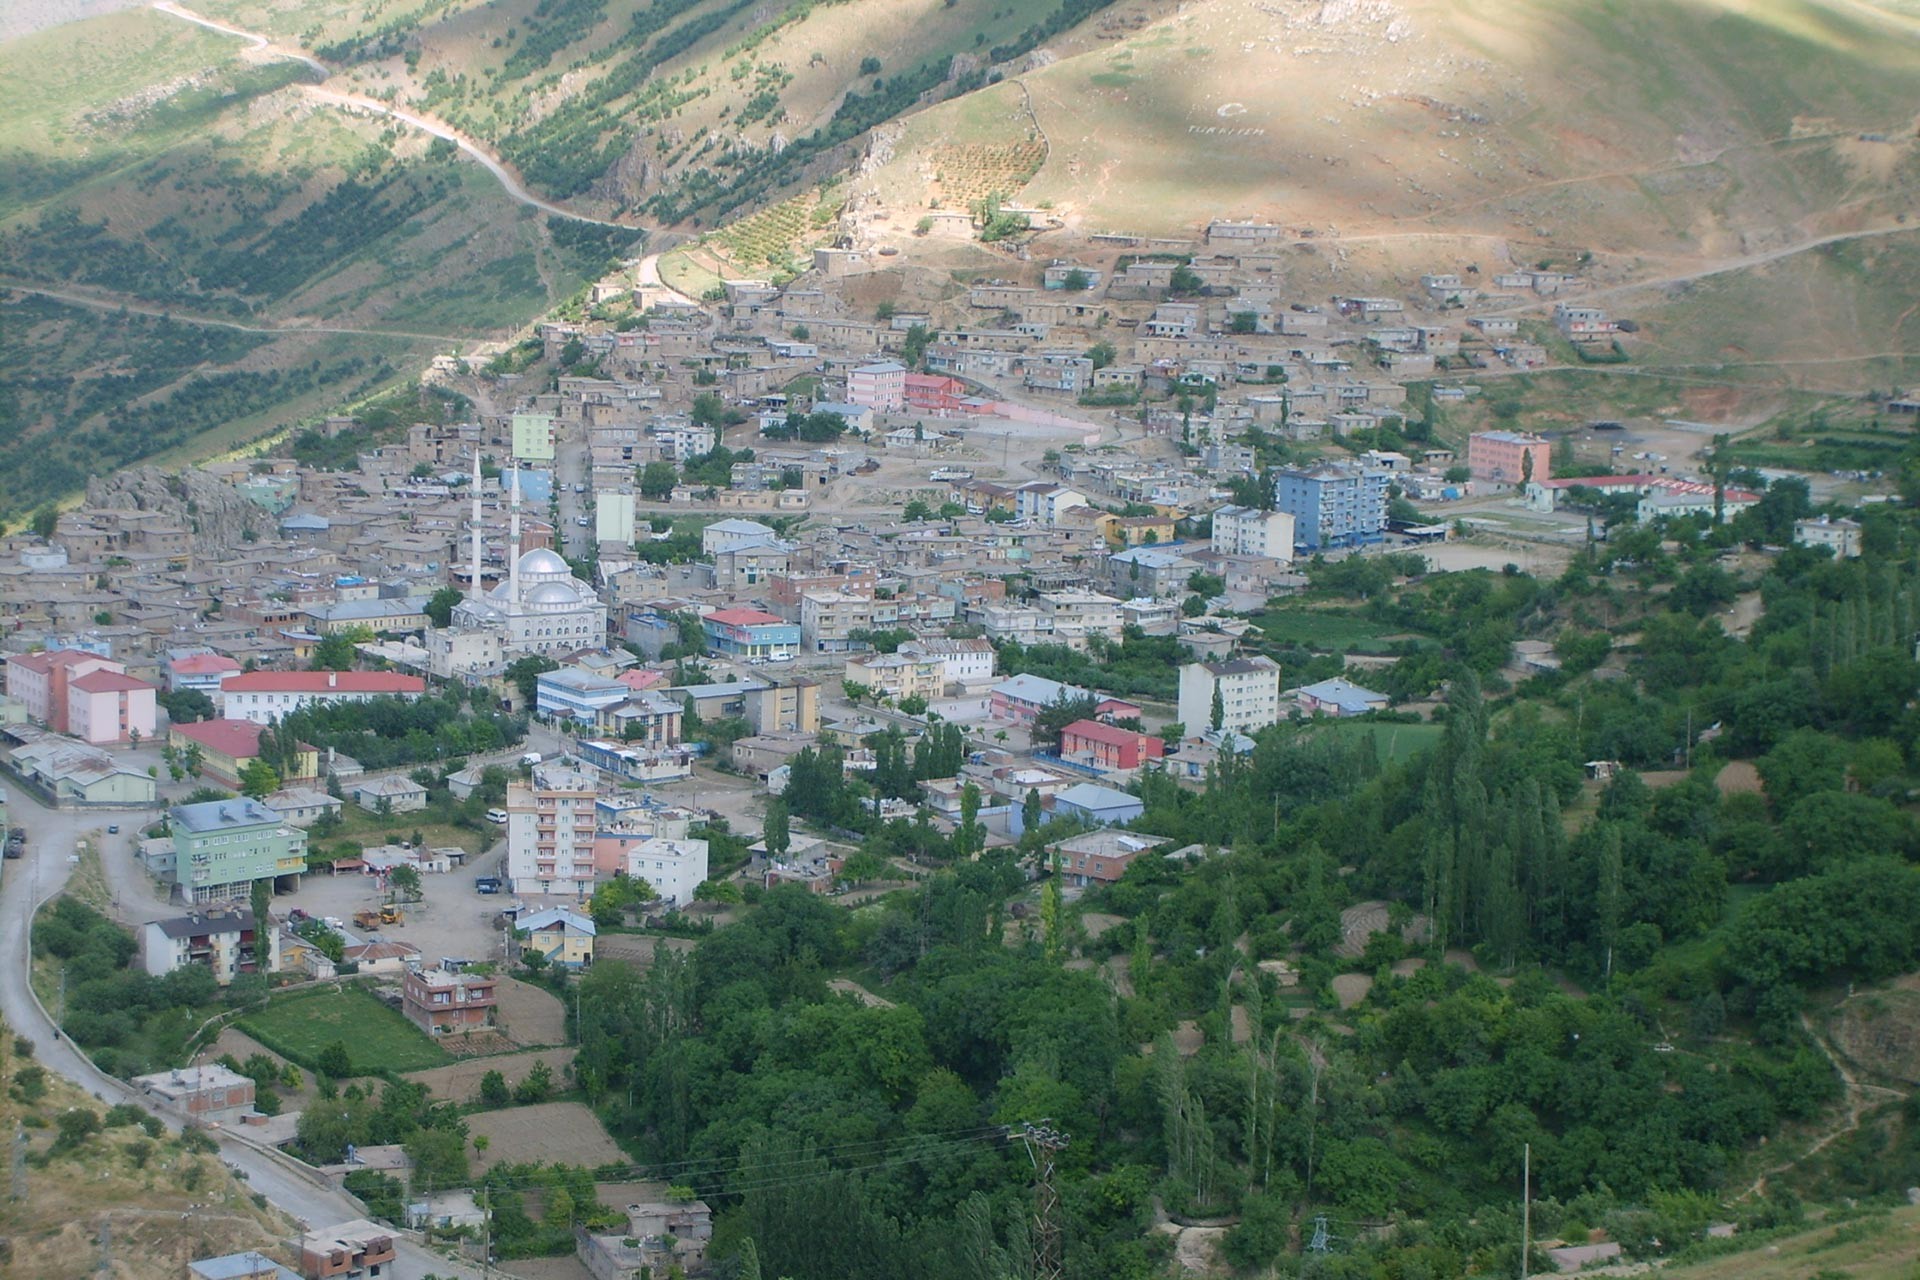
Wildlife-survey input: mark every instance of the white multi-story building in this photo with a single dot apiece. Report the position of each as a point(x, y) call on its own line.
point(550, 825)
point(964, 662)
point(265, 696)
point(680, 440)
point(1249, 694)
point(1249, 531)
point(1837, 532)
point(675, 868)
point(1077, 615)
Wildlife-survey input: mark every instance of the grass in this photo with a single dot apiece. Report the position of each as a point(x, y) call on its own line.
point(1395, 743)
point(1875, 1247)
point(1327, 630)
point(366, 829)
point(378, 1039)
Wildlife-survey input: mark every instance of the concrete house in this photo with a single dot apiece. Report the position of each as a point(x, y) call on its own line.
point(227, 942)
point(564, 937)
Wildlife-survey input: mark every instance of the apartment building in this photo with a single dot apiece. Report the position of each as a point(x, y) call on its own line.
point(1509, 457)
point(1333, 505)
point(828, 620)
point(550, 822)
point(222, 846)
point(1249, 690)
point(898, 675)
point(226, 942)
point(1074, 617)
point(1250, 531)
point(881, 386)
point(673, 867)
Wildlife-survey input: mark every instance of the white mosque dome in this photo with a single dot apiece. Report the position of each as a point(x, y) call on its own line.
point(543, 560)
point(552, 595)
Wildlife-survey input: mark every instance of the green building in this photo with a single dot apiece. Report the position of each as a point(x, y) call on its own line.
point(223, 846)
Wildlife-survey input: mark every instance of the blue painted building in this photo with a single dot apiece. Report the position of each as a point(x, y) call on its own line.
point(1333, 504)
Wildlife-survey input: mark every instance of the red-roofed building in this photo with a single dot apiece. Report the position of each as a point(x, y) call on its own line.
point(640, 679)
point(105, 707)
point(749, 633)
point(1106, 746)
point(936, 393)
point(38, 681)
point(265, 696)
point(229, 746)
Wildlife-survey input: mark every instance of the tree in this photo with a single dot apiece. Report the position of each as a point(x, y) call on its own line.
point(44, 521)
point(1031, 811)
point(334, 1060)
point(406, 882)
point(494, 1091)
point(537, 1086)
point(335, 652)
point(258, 779)
point(524, 674)
point(1102, 354)
point(777, 830)
point(185, 706)
point(916, 511)
point(439, 1158)
point(913, 704)
point(1057, 715)
point(1076, 281)
point(1217, 711)
point(261, 900)
point(657, 480)
point(717, 893)
point(440, 604)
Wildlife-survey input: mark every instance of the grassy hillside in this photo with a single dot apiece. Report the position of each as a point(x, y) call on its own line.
point(91, 1173)
point(195, 246)
point(680, 110)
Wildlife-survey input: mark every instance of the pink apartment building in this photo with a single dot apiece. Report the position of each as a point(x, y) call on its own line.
point(1501, 456)
point(38, 681)
point(881, 386)
point(107, 707)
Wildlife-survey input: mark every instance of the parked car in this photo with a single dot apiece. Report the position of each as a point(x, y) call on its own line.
point(113, 828)
point(496, 816)
point(487, 884)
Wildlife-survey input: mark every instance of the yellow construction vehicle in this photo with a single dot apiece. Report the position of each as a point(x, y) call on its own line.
point(391, 914)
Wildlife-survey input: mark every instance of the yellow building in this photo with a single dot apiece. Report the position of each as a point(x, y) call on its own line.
point(895, 675)
point(564, 937)
point(228, 746)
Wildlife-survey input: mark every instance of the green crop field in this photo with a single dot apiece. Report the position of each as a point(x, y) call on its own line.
point(1327, 630)
point(377, 1037)
point(1394, 742)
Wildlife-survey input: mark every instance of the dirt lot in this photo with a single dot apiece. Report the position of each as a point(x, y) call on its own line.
point(530, 1015)
point(461, 1081)
point(451, 919)
point(550, 1131)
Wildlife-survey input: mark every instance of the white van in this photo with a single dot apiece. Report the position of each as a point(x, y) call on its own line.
point(496, 815)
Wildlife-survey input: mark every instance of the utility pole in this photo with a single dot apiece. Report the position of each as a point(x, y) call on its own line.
point(1526, 1205)
point(1322, 1241)
point(1043, 1143)
point(19, 1162)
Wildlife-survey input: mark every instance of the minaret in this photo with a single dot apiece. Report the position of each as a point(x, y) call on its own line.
point(513, 542)
point(473, 581)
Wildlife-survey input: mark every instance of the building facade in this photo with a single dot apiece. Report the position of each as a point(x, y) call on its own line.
point(266, 696)
point(222, 846)
point(1249, 531)
point(550, 823)
point(749, 633)
point(1249, 690)
point(1509, 457)
point(228, 943)
point(1332, 505)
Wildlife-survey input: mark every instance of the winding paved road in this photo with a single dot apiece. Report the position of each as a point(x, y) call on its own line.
point(25, 883)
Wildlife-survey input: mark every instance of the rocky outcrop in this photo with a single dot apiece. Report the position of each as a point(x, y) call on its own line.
point(219, 517)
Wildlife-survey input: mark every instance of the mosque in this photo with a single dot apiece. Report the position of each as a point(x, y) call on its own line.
point(541, 607)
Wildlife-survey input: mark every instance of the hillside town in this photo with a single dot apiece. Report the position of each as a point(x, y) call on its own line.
point(628, 588)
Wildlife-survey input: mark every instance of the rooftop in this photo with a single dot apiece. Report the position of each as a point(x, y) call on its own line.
point(237, 739)
point(373, 682)
point(218, 815)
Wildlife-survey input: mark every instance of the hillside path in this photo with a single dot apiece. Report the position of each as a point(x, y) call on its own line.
point(508, 179)
point(115, 302)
